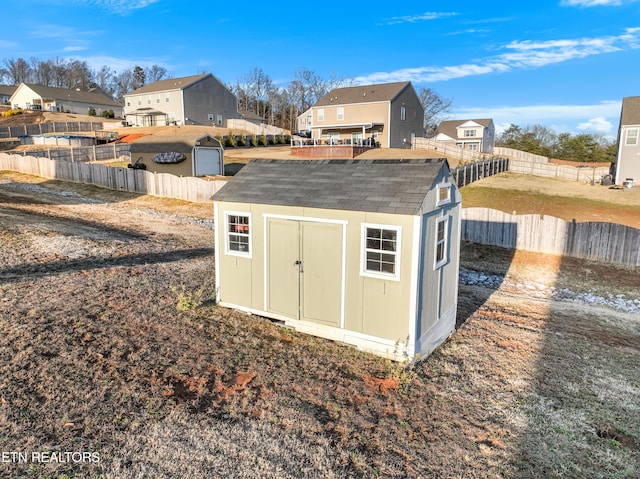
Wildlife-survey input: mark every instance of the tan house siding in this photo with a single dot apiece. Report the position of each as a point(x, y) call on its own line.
point(370, 110)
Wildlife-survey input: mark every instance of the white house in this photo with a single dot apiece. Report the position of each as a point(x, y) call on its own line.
point(474, 135)
point(30, 96)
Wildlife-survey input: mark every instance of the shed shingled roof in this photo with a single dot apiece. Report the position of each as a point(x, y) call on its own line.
point(385, 186)
point(630, 111)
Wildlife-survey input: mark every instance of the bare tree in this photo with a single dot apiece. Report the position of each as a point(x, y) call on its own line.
point(155, 73)
point(42, 71)
point(435, 108)
point(79, 75)
point(17, 71)
point(139, 77)
point(124, 83)
point(104, 79)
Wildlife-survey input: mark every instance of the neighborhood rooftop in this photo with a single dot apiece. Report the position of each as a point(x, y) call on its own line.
point(363, 94)
point(386, 186)
point(631, 110)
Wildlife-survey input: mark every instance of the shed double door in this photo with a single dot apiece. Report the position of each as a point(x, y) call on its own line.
point(304, 270)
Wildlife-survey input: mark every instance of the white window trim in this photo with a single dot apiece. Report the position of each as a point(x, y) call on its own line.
point(340, 113)
point(627, 136)
point(320, 114)
point(438, 264)
point(227, 249)
point(363, 252)
point(440, 187)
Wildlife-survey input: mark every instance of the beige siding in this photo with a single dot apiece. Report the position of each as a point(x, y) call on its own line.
point(372, 306)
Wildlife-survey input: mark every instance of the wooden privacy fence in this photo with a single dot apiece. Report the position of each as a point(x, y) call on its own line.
point(594, 241)
point(121, 179)
point(471, 172)
point(558, 171)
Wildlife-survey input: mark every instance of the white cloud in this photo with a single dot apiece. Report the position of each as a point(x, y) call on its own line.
point(118, 7)
point(592, 3)
point(598, 125)
point(595, 118)
point(417, 18)
point(521, 55)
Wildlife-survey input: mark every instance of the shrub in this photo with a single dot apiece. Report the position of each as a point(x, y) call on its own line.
point(92, 111)
point(254, 140)
point(241, 141)
point(231, 140)
point(187, 300)
point(281, 140)
point(12, 112)
point(263, 140)
point(108, 114)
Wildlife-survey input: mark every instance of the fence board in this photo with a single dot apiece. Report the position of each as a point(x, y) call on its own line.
point(122, 179)
point(594, 241)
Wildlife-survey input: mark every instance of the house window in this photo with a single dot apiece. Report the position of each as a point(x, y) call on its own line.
point(166, 99)
point(381, 251)
point(472, 146)
point(320, 114)
point(139, 101)
point(238, 232)
point(443, 191)
point(403, 113)
point(219, 120)
point(469, 133)
point(442, 241)
point(158, 98)
point(210, 116)
point(632, 137)
point(340, 113)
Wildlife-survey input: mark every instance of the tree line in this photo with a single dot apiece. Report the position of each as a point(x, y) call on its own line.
point(256, 91)
point(280, 105)
point(540, 140)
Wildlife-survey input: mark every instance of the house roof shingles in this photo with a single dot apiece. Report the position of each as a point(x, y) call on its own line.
point(53, 93)
point(363, 94)
point(170, 84)
point(630, 111)
point(448, 127)
point(385, 186)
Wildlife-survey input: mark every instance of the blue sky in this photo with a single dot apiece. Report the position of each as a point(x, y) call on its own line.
point(564, 64)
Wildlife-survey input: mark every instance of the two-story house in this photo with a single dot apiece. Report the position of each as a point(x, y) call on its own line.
point(30, 96)
point(390, 114)
point(474, 135)
point(627, 164)
point(192, 100)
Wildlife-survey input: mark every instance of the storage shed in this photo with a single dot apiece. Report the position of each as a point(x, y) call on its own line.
point(363, 252)
point(180, 155)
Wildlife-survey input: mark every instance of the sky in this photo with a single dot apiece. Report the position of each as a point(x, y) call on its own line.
point(562, 64)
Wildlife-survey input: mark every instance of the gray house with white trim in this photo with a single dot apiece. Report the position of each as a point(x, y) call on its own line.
point(362, 252)
point(627, 163)
point(192, 100)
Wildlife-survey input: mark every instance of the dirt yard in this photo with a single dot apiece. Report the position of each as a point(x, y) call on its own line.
point(115, 363)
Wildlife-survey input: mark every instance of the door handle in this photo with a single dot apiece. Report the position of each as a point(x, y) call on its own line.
point(299, 264)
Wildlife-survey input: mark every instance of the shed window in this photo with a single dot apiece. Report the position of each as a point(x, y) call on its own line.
point(632, 137)
point(238, 231)
point(444, 194)
point(381, 251)
point(442, 241)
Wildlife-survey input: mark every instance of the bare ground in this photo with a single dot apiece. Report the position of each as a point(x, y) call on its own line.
point(112, 346)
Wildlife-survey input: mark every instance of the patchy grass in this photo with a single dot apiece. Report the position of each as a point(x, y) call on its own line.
point(96, 355)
